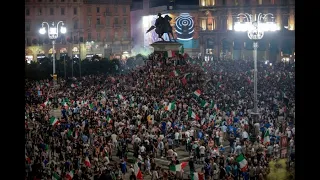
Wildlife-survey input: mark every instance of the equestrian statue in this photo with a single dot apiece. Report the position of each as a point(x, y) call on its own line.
point(161, 26)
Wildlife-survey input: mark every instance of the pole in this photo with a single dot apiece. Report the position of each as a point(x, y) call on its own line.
point(54, 63)
point(79, 53)
point(72, 66)
point(255, 90)
point(65, 69)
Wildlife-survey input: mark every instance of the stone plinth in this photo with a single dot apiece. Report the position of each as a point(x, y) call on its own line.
point(163, 46)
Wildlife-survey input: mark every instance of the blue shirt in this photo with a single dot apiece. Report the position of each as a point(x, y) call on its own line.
point(123, 167)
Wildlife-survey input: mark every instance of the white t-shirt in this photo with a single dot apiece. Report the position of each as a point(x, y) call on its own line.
point(142, 149)
point(245, 134)
point(187, 134)
point(202, 149)
point(176, 135)
point(114, 137)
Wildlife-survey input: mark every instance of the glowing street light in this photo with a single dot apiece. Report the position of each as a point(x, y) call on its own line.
point(255, 26)
point(53, 33)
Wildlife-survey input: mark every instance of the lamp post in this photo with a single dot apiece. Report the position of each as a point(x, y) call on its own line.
point(53, 33)
point(255, 26)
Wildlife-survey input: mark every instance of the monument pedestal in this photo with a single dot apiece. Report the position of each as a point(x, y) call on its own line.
point(165, 46)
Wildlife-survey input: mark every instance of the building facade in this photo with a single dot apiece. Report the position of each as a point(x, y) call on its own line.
point(94, 27)
point(212, 34)
point(218, 38)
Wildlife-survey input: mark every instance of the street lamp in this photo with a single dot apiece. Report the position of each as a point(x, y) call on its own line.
point(53, 33)
point(255, 26)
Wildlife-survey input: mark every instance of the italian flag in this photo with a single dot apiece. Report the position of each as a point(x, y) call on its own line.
point(243, 162)
point(137, 171)
point(184, 79)
point(197, 93)
point(54, 121)
point(65, 104)
point(119, 96)
point(171, 106)
point(178, 167)
point(70, 175)
point(197, 176)
point(203, 103)
point(87, 162)
point(73, 85)
point(170, 54)
point(192, 114)
point(28, 159)
point(55, 176)
point(219, 85)
point(175, 73)
point(46, 103)
point(266, 138)
point(109, 120)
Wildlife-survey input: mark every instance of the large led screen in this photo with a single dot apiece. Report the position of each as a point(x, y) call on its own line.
point(184, 27)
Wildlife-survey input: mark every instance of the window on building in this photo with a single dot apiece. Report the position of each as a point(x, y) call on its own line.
point(107, 9)
point(75, 24)
point(98, 9)
point(75, 0)
point(27, 12)
point(115, 35)
point(107, 21)
point(39, 12)
point(27, 27)
point(98, 21)
point(224, 2)
point(39, 0)
point(125, 34)
point(51, 11)
point(247, 2)
point(62, 1)
point(98, 36)
point(115, 9)
point(89, 21)
point(89, 9)
point(75, 10)
point(124, 9)
point(116, 20)
point(204, 24)
point(236, 2)
point(107, 35)
point(62, 11)
point(259, 2)
point(272, 1)
point(50, 0)
point(89, 36)
point(124, 20)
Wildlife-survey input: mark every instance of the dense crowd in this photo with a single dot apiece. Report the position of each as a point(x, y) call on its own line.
point(152, 111)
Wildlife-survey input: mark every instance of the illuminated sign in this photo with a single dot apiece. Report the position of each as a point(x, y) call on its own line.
point(184, 26)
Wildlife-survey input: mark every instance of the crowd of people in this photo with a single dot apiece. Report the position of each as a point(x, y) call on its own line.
point(152, 111)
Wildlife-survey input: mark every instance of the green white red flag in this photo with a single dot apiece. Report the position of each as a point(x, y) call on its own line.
point(197, 93)
point(178, 167)
point(242, 162)
point(54, 121)
point(192, 114)
point(137, 171)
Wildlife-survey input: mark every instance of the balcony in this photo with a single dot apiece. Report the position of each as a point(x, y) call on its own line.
point(116, 25)
point(99, 26)
point(107, 14)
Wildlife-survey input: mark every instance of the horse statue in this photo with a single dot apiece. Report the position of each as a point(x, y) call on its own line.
point(161, 26)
